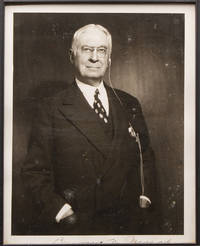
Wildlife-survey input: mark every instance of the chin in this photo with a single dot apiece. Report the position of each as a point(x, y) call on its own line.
point(93, 76)
point(95, 79)
point(91, 79)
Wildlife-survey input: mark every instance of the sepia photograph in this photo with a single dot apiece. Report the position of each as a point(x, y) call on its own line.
point(99, 124)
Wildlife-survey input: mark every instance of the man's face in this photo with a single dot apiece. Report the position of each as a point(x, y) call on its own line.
point(91, 56)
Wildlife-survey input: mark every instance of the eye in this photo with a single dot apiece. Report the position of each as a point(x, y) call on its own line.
point(87, 49)
point(102, 50)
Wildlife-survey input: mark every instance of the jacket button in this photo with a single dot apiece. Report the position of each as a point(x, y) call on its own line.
point(84, 155)
point(98, 181)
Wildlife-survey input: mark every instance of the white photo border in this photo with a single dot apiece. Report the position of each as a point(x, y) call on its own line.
point(188, 10)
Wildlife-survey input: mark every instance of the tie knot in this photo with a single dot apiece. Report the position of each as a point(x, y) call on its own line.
point(96, 92)
point(96, 95)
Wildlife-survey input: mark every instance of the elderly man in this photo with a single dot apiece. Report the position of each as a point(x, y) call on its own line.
point(89, 165)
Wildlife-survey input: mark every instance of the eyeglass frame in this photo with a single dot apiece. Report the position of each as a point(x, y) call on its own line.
point(89, 50)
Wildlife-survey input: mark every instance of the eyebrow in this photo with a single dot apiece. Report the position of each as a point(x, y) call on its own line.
point(101, 46)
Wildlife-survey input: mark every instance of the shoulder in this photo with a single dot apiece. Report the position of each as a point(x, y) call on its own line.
point(126, 96)
point(57, 98)
point(127, 99)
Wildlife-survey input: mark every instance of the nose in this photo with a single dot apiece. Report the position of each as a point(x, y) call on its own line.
point(94, 56)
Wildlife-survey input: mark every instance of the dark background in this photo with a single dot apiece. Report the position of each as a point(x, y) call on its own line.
point(147, 62)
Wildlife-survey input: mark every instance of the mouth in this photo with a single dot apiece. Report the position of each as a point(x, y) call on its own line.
point(91, 67)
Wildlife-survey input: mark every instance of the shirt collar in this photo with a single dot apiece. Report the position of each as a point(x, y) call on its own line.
point(89, 89)
point(88, 92)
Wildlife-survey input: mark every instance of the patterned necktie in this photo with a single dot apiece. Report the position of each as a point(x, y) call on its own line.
point(98, 107)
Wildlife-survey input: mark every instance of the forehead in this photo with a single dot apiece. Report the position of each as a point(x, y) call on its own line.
point(93, 37)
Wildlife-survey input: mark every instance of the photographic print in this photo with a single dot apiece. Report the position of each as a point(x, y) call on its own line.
point(99, 124)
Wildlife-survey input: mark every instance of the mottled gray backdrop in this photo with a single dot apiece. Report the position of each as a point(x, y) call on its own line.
point(147, 62)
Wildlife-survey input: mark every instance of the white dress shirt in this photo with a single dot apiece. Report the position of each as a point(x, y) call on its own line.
point(88, 92)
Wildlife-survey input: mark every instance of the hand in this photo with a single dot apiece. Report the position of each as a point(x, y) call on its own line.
point(64, 212)
point(70, 219)
point(68, 213)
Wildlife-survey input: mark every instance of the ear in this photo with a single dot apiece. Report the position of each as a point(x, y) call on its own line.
point(71, 56)
point(109, 62)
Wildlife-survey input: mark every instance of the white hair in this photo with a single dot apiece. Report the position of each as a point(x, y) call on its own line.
point(87, 27)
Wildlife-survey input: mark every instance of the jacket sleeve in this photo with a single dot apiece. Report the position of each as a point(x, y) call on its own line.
point(37, 170)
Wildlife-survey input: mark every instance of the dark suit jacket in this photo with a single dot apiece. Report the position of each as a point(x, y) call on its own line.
point(70, 159)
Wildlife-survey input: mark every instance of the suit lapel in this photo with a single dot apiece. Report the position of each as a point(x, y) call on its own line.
point(76, 109)
point(119, 117)
point(120, 124)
